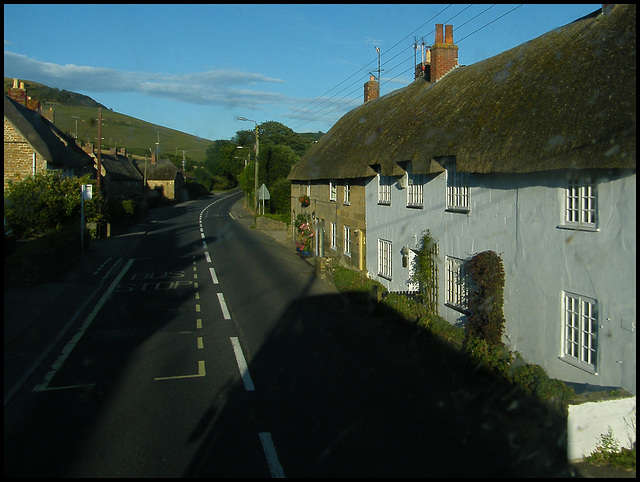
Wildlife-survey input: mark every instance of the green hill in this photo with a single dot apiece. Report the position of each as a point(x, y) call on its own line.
point(118, 130)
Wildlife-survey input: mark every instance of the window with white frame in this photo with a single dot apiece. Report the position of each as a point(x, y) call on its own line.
point(457, 189)
point(580, 329)
point(333, 191)
point(384, 190)
point(334, 236)
point(309, 189)
point(580, 203)
point(414, 191)
point(457, 282)
point(347, 240)
point(347, 193)
point(384, 258)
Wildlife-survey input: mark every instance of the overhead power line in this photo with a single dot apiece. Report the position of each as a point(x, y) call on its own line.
point(314, 114)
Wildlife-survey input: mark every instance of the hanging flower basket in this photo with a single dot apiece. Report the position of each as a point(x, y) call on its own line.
point(304, 200)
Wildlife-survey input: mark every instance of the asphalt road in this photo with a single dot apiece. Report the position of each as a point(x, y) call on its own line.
point(214, 351)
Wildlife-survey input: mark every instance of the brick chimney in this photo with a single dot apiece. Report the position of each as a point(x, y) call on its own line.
point(371, 89)
point(444, 54)
point(18, 92)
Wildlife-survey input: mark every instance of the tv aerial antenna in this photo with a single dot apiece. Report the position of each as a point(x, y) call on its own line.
point(379, 69)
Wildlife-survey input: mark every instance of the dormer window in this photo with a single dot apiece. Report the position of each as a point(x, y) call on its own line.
point(414, 191)
point(580, 203)
point(384, 189)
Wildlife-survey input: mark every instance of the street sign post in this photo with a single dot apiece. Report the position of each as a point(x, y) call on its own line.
point(263, 195)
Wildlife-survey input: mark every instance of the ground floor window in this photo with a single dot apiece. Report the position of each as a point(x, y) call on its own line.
point(580, 328)
point(384, 258)
point(457, 282)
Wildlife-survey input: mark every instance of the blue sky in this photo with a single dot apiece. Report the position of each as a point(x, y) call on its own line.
point(196, 68)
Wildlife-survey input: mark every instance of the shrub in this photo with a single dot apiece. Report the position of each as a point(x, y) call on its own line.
point(47, 201)
point(609, 452)
point(496, 357)
point(486, 298)
point(347, 279)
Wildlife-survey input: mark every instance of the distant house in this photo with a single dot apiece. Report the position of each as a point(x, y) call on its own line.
point(530, 153)
point(120, 178)
point(162, 177)
point(33, 144)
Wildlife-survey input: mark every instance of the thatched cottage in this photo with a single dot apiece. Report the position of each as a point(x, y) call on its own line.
point(530, 153)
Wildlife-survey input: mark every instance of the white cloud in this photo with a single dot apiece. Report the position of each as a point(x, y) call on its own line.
point(228, 88)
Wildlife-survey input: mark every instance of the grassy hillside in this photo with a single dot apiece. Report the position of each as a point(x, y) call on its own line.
point(118, 130)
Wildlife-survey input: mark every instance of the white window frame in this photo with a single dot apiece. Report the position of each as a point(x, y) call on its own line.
point(457, 284)
point(347, 240)
point(334, 236)
point(457, 189)
point(309, 189)
point(580, 330)
point(581, 203)
point(347, 193)
point(415, 197)
point(384, 190)
point(333, 191)
point(384, 258)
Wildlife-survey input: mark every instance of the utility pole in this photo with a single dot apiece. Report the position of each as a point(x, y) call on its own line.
point(183, 161)
point(99, 149)
point(255, 190)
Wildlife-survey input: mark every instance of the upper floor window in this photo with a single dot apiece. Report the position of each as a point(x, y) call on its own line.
point(580, 329)
point(347, 193)
point(309, 190)
point(580, 203)
point(414, 191)
point(384, 189)
point(457, 189)
point(333, 191)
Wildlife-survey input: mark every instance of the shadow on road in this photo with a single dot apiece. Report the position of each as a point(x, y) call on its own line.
point(347, 388)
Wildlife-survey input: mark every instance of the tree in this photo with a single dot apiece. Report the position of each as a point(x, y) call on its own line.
point(220, 160)
point(48, 201)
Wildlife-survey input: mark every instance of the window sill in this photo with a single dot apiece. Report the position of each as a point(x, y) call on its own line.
point(415, 206)
point(388, 278)
point(382, 203)
point(457, 210)
point(574, 362)
point(589, 229)
point(457, 308)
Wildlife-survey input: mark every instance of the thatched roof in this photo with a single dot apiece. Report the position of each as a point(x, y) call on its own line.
point(45, 138)
point(120, 168)
point(565, 99)
point(161, 170)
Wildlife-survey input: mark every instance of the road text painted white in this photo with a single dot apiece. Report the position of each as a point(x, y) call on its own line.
point(66, 351)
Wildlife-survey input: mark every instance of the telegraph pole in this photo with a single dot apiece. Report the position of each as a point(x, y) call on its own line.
point(99, 149)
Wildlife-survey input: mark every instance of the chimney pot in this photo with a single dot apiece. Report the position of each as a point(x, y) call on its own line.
point(448, 34)
point(439, 38)
point(15, 83)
